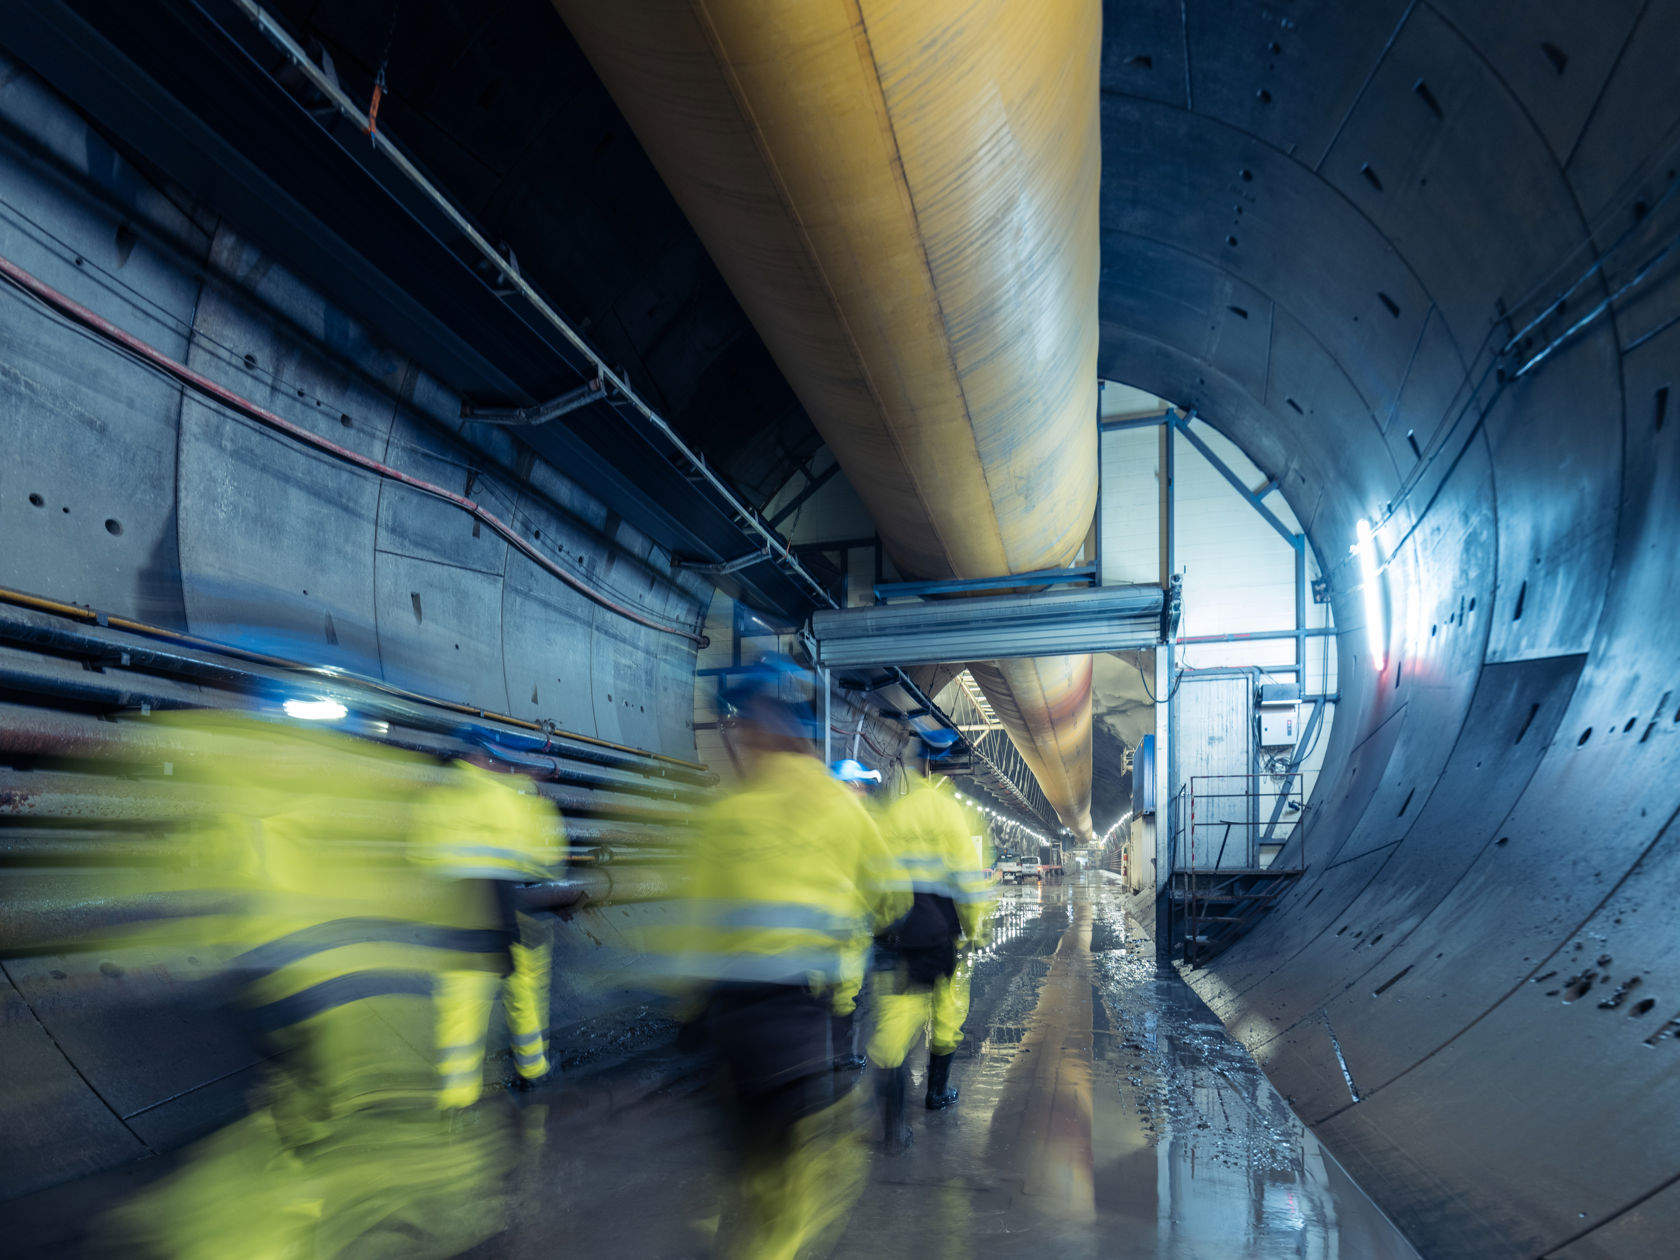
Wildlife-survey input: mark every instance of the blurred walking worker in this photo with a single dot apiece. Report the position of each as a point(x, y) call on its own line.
point(496, 831)
point(938, 858)
point(779, 895)
point(861, 780)
point(344, 934)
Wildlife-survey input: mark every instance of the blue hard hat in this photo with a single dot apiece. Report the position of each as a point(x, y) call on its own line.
point(851, 770)
point(758, 692)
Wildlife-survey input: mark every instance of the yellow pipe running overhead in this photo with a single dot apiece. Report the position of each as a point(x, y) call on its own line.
point(902, 195)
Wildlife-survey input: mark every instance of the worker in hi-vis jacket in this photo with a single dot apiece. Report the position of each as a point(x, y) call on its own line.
point(861, 780)
point(495, 828)
point(937, 856)
point(779, 890)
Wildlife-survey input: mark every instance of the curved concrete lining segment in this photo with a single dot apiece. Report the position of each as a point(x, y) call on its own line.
point(1342, 235)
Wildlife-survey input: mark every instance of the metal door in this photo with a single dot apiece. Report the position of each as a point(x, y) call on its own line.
point(1215, 757)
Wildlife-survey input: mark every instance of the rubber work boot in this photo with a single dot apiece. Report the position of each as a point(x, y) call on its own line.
point(843, 1033)
point(940, 1093)
point(893, 1086)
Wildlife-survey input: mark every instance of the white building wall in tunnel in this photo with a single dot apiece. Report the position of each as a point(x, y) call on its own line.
point(1238, 572)
point(1131, 509)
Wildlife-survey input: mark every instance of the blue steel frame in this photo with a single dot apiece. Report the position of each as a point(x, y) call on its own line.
point(1176, 424)
point(1085, 575)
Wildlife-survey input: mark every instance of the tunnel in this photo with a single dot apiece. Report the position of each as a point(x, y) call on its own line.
point(429, 345)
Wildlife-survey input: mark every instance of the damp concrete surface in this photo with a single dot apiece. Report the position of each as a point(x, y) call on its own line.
point(1104, 1112)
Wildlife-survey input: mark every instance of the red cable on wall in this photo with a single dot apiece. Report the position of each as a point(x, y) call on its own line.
point(73, 309)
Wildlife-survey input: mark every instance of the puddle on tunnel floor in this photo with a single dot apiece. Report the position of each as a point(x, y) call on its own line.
point(1104, 1113)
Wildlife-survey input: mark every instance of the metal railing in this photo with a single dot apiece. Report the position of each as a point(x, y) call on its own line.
point(1225, 819)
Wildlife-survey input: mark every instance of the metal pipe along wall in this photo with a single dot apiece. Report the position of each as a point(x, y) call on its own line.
point(903, 198)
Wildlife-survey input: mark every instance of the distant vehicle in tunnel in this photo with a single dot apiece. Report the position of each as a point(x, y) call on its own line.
point(1019, 870)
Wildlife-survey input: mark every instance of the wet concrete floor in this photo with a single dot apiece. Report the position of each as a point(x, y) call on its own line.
point(1104, 1112)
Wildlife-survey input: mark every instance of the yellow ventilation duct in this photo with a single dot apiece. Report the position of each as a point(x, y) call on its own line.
point(902, 195)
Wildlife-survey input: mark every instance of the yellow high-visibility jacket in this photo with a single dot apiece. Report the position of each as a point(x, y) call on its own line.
point(782, 882)
point(938, 847)
point(483, 825)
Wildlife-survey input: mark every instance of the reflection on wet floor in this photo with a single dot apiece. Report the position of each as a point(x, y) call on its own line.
point(1104, 1112)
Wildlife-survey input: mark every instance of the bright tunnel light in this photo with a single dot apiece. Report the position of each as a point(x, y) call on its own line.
point(320, 710)
point(1375, 631)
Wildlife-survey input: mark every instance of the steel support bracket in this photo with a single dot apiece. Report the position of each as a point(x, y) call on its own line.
point(590, 391)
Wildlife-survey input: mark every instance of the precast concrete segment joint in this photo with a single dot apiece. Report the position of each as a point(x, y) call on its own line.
point(155, 358)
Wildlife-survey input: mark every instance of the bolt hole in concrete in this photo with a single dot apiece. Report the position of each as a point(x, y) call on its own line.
point(36, 500)
point(1579, 987)
point(1642, 1007)
point(113, 526)
point(1533, 712)
point(1428, 98)
point(1585, 736)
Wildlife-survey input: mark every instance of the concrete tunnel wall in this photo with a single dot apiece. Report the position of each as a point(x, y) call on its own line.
point(159, 506)
point(121, 491)
point(1322, 223)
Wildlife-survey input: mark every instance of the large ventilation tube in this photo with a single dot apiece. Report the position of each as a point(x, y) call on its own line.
point(903, 197)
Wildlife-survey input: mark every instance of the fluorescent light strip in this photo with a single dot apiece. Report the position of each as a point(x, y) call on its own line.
point(1375, 631)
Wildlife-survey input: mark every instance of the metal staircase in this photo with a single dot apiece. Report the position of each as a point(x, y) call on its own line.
point(1216, 907)
point(1220, 887)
